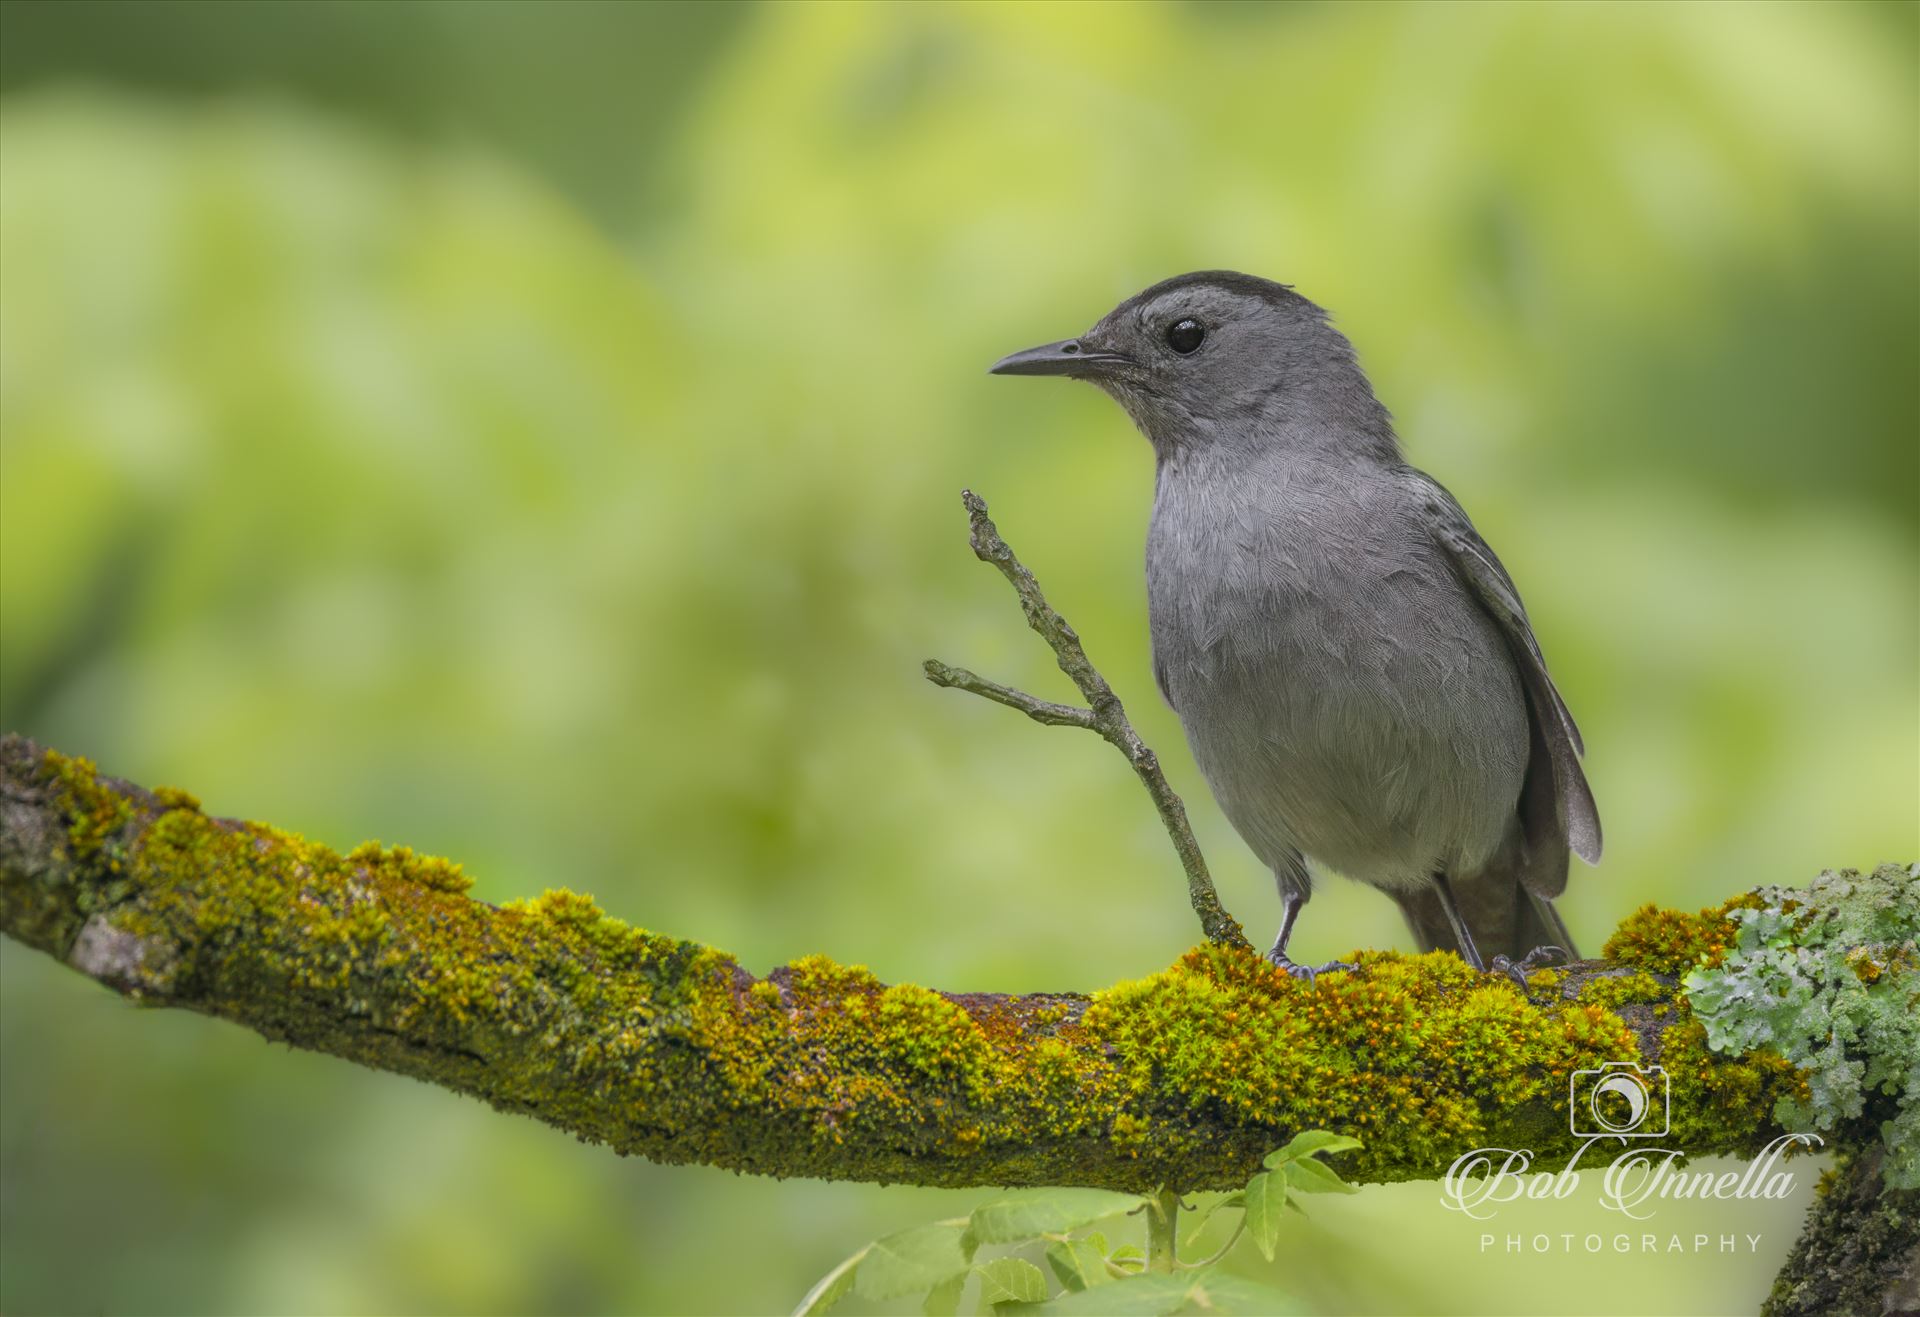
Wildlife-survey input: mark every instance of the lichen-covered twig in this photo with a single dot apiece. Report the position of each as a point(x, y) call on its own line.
point(1104, 714)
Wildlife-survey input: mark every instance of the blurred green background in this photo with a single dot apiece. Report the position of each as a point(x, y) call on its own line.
point(533, 433)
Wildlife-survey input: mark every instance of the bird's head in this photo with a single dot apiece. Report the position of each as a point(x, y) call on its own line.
point(1219, 358)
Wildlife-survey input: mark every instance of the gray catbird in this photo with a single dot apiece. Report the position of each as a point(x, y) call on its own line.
point(1352, 664)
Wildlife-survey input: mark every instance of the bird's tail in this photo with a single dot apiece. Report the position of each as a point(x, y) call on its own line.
point(1503, 917)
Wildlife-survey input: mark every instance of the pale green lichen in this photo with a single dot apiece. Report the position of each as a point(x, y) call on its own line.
point(1828, 976)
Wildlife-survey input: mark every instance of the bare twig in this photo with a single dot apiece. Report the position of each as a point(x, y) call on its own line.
point(1105, 714)
point(1041, 711)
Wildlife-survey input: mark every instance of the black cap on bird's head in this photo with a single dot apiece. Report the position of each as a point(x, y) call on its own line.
point(1214, 349)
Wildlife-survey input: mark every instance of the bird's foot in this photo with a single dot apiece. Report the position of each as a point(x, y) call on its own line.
point(1281, 960)
point(1517, 970)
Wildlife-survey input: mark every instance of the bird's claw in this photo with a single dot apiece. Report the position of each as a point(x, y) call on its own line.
point(1517, 970)
point(1281, 960)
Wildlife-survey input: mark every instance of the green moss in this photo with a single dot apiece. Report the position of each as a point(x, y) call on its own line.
point(1544, 980)
point(1670, 942)
point(1616, 990)
point(95, 813)
point(1417, 1056)
point(931, 1035)
point(1721, 1103)
point(175, 798)
point(401, 864)
point(1129, 1132)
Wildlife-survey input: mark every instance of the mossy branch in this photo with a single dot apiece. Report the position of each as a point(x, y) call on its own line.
point(1104, 714)
point(669, 1049)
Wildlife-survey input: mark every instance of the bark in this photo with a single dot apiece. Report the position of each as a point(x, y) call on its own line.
point(1859, 1255)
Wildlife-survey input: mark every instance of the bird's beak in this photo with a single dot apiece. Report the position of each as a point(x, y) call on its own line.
point(1070, 356)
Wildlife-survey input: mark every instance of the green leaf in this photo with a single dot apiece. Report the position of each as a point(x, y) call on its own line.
point(1266, 1200)
point(1150, 1295)
point(1029, 1215)
point(1011, 1280)
point(1313, 1176)
point(912, 1260)
point(943, 1300)
point(1159, 1295)
point(1128, 1253)
point(1214, 1291)
point(1306, 1144)
point(1079, 1263)
point(829, 1288)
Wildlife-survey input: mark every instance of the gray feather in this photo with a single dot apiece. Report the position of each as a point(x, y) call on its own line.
point(1553, 770)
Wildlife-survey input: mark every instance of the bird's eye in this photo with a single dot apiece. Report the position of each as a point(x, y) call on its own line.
point(1185, 335)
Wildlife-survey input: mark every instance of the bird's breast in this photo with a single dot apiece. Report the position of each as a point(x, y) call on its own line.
point(1338, 686)
point(1313, 574)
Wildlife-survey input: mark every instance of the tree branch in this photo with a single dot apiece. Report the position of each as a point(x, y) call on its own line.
point(1860, 1251)
point(1105, 715)
point(666, 1048)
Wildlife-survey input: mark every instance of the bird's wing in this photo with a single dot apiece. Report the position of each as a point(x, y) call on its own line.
point(1556, 805)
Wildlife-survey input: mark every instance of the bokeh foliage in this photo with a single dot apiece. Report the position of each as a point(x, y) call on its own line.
point(532, 433)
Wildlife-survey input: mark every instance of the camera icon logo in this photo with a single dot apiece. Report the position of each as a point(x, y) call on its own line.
point(1619, 1100)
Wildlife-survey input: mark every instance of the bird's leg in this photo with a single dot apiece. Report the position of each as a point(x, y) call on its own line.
point(1517, 970)
point(1291, 899)
point(1558, 952)
point(1468, 952)
point(1277, 953)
